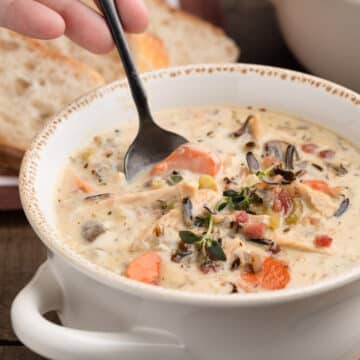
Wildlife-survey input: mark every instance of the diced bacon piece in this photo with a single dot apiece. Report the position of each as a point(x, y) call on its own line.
point(326, 154)
point(323, 241)
point(254, 231)
point(241, 217)
point(309, 148)
point(282, 201)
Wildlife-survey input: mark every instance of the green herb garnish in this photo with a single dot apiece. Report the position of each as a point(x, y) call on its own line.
point(201, 221)
point(239, 200)
point(175, 178)
point(222, 205)
point(215, 251)
point(188, 237)
point(209, 249)
point(263, 173)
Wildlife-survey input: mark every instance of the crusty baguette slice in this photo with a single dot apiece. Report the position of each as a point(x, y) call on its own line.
point(36, 81)
point(148, 51)
point(188, 39)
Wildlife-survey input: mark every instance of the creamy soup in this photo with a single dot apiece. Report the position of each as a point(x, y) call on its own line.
point(257, 201)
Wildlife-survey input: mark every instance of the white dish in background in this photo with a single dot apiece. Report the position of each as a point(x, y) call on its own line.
point(9, 193)
point(8, 181)
point(107, 316)
point(174, 3)
point(325, 36)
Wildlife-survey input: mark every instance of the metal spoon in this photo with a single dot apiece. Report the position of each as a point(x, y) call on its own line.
point(152, 143)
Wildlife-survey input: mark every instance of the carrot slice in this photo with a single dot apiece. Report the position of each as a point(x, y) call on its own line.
point(262, 185)
point(193, 157)
point(82, 185)
point(145, 268)
point(321, 185)
point(273, 276)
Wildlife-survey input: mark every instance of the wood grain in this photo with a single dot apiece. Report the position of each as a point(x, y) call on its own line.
point(17, 352)
point(21, 252)
point(20, 255)
point(208, 9)
point(10, 199)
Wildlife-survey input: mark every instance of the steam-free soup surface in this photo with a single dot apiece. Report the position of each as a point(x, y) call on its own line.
point(257, 201)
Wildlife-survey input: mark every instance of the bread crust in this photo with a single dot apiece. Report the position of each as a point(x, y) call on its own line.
point(12, 151)
point(151, 53)
point(232, 49)
point(59, 57)
point(149, 50)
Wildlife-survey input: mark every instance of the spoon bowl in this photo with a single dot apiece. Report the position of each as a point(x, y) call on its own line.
point(151, 145)
point(152, 142)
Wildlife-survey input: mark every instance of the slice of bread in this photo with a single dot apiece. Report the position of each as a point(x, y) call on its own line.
point(36, 82)
point(148, 51)
point(40, 78)
point(188, 39)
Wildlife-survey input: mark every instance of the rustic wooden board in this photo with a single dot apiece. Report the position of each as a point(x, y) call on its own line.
point(21, 252)
point(10, 199)
point(17, 352)
point(20, 255)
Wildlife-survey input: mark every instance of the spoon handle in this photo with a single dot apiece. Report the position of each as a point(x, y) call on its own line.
point(113, 19)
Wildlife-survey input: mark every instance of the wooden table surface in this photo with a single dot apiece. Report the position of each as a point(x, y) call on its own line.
point(21, 252)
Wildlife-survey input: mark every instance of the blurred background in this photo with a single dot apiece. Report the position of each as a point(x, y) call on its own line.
point(317, 36)
point(251, 23)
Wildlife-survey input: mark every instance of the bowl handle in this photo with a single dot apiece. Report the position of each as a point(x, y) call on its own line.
point(44, 294)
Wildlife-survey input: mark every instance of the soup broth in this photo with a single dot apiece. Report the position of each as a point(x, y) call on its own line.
point(257, 201)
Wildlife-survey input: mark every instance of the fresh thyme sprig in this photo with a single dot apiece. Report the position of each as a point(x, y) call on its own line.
point(209, 249)
point(239, 200)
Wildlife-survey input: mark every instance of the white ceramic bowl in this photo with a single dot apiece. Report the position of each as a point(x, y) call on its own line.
point(106, 316)
point(325, 36)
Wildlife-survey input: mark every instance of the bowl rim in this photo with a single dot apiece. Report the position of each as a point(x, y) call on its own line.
point(37, 218)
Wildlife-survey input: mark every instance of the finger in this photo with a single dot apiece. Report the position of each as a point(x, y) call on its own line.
point(133, 15)
point(31, 18)
point(88, 29)
point(83, 25)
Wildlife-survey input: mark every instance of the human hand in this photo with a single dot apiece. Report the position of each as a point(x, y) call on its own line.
point(48, 19)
